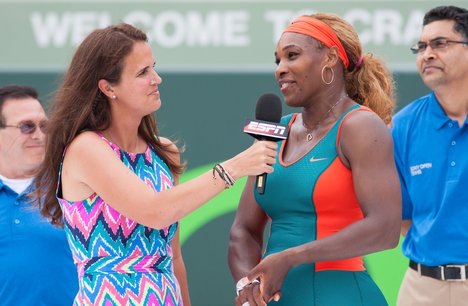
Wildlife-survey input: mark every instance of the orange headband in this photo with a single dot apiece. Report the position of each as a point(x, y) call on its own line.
point(319, 30)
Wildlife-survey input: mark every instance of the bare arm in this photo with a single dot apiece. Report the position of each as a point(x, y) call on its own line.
point(90, 163)
point(368, 148)
point(246, 237)
point(246, 241)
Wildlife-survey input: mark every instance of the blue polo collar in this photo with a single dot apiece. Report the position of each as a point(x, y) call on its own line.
point(438, 113)
point(439, 117)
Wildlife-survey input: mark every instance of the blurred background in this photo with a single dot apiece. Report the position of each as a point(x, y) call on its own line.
point(215, 58)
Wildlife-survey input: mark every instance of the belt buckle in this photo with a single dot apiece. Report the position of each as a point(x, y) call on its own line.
point(462, 273)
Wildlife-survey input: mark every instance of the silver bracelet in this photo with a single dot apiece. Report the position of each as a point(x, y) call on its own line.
point(244, 282)
point(241, 284)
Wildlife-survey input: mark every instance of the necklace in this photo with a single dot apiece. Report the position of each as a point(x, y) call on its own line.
point(309, 135)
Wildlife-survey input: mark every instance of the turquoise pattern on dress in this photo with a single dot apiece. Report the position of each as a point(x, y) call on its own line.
point(119, 261)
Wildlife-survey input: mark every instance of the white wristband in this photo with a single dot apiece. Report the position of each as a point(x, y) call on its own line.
point(241, 284)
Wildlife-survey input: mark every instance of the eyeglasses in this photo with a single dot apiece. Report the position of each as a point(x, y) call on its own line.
point(436, 44)
point(29, 127)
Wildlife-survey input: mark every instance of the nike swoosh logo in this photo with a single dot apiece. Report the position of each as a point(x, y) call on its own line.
point(313, 159)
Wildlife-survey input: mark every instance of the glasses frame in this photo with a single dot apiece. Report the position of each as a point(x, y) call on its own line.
point(29, 127)
point(444, 44)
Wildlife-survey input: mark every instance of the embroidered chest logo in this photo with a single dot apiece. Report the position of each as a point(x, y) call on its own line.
point(418, 169)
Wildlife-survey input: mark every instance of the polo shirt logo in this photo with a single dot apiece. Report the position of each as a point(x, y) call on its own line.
point(418, 169)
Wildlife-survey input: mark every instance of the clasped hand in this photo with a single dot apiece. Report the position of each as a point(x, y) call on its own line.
point(270, 273)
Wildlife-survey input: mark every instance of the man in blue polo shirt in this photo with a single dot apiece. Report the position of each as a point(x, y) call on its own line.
point(431, 152)
point(36, 266)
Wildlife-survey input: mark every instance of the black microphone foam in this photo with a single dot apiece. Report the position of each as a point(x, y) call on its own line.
point(268, 108)
point(268, 111)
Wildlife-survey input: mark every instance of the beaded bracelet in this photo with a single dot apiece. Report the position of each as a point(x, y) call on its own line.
point(228, 176)
point(224, 175)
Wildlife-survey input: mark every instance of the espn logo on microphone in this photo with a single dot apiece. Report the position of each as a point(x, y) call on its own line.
point(264, 128)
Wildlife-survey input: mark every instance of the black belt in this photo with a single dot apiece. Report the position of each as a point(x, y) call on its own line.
point(445, 272)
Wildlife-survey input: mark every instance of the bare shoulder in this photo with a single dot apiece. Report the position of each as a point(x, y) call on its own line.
point(87, 141)
point(364, 124)
point(364, 132)
point(87, 156)
point(88, 148)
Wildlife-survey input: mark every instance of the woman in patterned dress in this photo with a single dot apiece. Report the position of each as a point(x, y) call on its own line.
point(114, 177)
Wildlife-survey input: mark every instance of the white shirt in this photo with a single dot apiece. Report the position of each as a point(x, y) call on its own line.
point(17, 185)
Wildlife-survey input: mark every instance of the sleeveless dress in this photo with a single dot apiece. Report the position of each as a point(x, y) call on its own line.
point(309, 199)
point(119, 261)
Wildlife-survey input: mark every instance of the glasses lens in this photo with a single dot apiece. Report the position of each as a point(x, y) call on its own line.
point(418, 48)
point(421, 47)
point(438, 43)
point(43, 127)
point(27, 127)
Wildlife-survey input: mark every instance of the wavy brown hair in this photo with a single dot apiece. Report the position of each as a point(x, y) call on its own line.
point(79, 105)
point(370, 83)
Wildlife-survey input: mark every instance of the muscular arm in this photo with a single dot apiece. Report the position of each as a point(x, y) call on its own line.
point(246, 242)
point(246, 237)
point(367, 147)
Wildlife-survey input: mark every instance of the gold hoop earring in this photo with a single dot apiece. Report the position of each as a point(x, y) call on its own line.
point(333, 75)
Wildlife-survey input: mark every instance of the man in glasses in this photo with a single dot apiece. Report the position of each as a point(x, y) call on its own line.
point(431, 152)
point(36, 266)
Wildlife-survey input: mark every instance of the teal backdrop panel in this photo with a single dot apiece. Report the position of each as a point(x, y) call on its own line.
point(206, 112)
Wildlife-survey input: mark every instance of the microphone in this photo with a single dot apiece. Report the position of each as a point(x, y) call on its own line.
point(266, 127)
